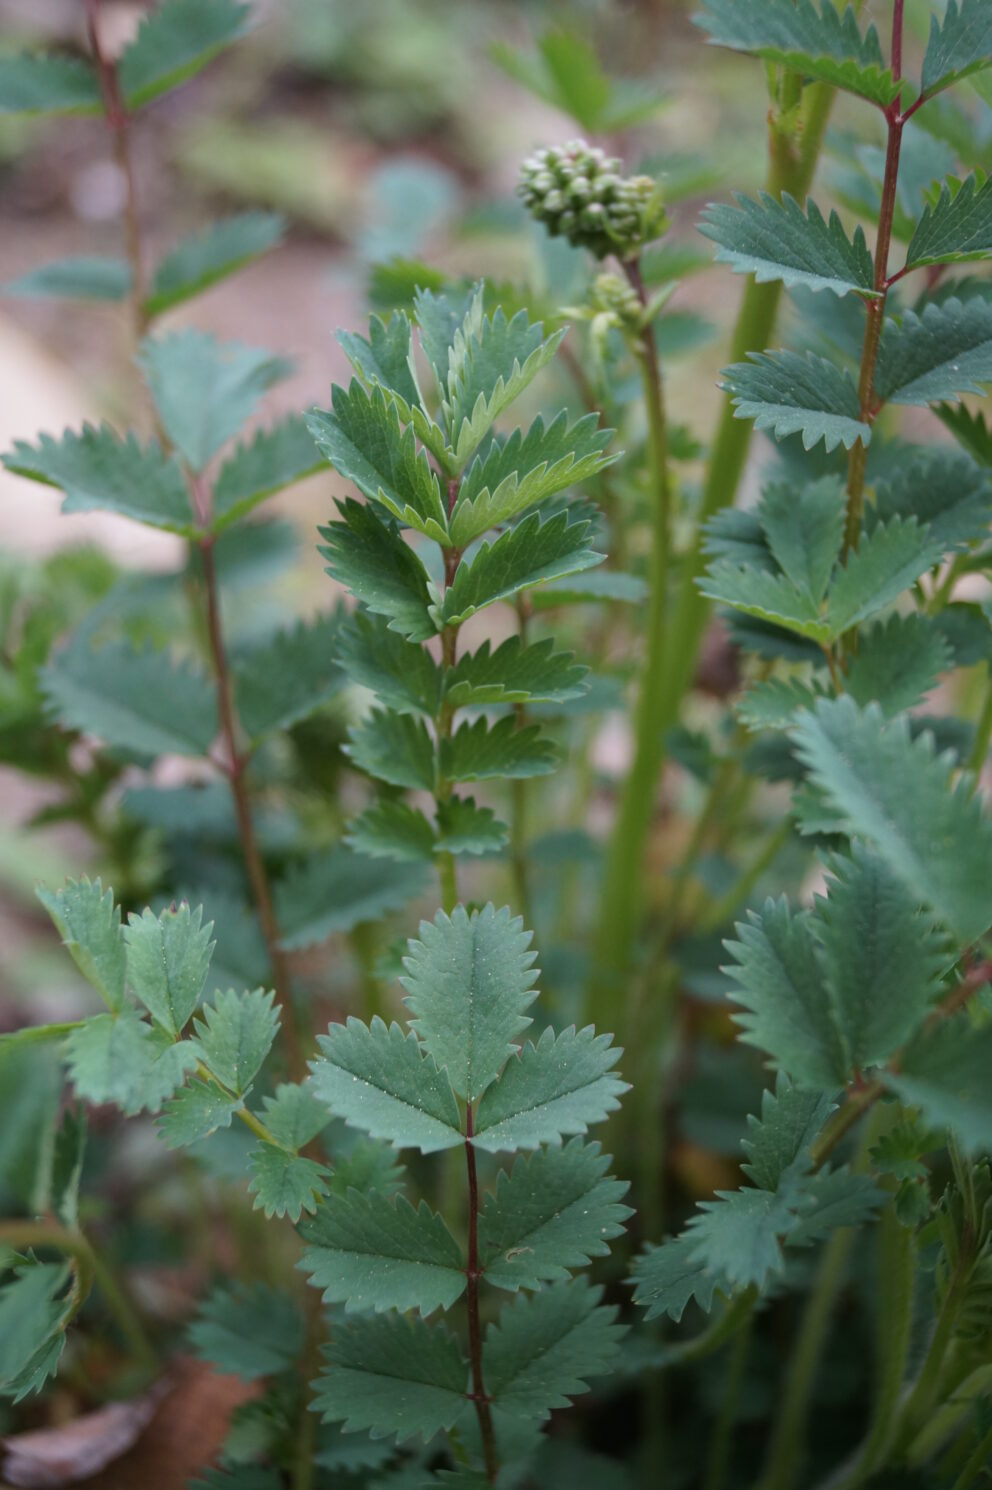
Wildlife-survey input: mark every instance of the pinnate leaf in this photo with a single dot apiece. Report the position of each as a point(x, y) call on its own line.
point(205, 257)
point(372, 1253)
point(371, 559)
point(469, 980)
point(167, 961)
point(89, 924)
point(534, 551)
point(381, 1081)
point(274, 459)
point(236, 1034)
point(776, 240)
point(248, 1330)
point(942, 354)
point(174, 42)
point(337, 890)
point(285, 1184)
point(546, 1346)
point(288, 677)
point(960, 44)
point(559, 1086)
point(793, 394)
point(394, 1375)
point(48, 85)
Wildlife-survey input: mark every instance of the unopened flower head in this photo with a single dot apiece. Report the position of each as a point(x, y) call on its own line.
point(577, 191)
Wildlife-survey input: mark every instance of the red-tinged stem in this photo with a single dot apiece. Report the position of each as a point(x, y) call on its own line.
point(897, 10)
point(120, 120)
point(473, 1273)
point(235, 766)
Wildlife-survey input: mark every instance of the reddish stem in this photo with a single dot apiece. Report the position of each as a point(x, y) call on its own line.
point(473, 1273)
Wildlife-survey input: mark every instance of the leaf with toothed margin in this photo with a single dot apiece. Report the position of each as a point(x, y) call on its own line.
point(288, 677)
point(89, 924)
point(789, 394)
point(559, 1086)
point(544, 1347)
point(531, 553)
point(204, 257)
point(285, 1184)
point(392, 830)
point(465, 828)
point(777, 240)
point(960, 44)
point(492, 361)
point(276, 458)
point(197, 1110)
point(121, 1058)
point(86, 277)
point(337, 889)
point(667, 1277)
point(174, 42)
point(404, 677)
point(956, 227)
point(34, 84)
point(248, 1330)
point(394, 748)
point(167, 961)
point(235, 1035)
point(514, 674)
point(371, 559)
point(380, 1080)
point(478, 752)
point(939, 355)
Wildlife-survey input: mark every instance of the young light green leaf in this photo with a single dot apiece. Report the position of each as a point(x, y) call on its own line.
point(385, 360)
point(372, 561)
point(557, 1087)
point(469, 980)
point(793, 394)
point(132, 700)
point(898, 661)
point(370, 1253)
point(336, 890)
point(776, 240)
point(960, 44)
point(492, 361)
point(98, 470)
point(896, 793)
point(804, 531)
point(667, 1277)
point(274, 459)
point(174, 42)
point(362, 437)
point(285, 1184)
point(121, 1058)
point(381, 1081)
point(534, 551)
point(197, 1110)
point(942, 354)
point(809, 39)
point(404, 677)
point(204, 389)
point(167, 961)
point(956, 228)
point(48, 85)
point(87, 277)
point(779, 984)
point(288, 677)
point(555, 1211)
point(394, 748)
point(881, 957)
point(248, 1330)
point(203, 258)
point(524, 469)
point(476, 752)
point(545, 1346)
point(89, 924)
point(392, 830)
point(514, 674)
point(236, 1034)
point(393, 1375)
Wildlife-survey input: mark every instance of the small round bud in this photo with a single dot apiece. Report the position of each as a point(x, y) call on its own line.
point(577, 190)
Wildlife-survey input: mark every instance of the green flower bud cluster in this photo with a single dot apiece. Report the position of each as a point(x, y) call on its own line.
point(577, 191)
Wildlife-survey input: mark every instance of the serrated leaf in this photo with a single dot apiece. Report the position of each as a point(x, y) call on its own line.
point(464, 828)
point(167, 961)
point(777, 240)
point(285, 1184)
point(404, 677)
point(896, 793)
point(337, 890)
point(439, 316)
point(514, 674)
point(808, 39)
point(492, 361)
point(804, 530)
point(288, 677)
point(205, 389)
point(831, 1199)
point(557, 1087)
point(888, 560)
point(469, 980)
point(524, 469)
point(293, 1116)
point(944, 1073)
point(667, 1277)
point(545, 1346)
point(120, 1058)
point(771, 597)
point(248, 1330)
point(778, 1142)
point(86, 277)
point(779, 984)
point(97, 470)
point(960, 44)
point(478, 752)
point(274, 459)
point(555, 1211)
point(898, 661)
point(942, 354)
point(739, 1234)
point(738, 536)
point(395, 748)
point(393, 1375)
point(204, 257)
point(382, 571)
point(772, 703)
point(381, 1081)
point(392, 830)
point(197, 1110)
point(236, 1034)
point(35, 1308)
point(793, 394)
point(363, 439)
point(370, 1253)
point(132, 700)
point(174, 42)
point(89, 924)
point(385, 359)
point(956, 228)
point(534, 551)
point(943, 489)
point(969, 429)
point(37, 84)
point(578, 589)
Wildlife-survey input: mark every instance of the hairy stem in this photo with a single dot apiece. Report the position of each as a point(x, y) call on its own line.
point(472, 1274)
point(236, 765)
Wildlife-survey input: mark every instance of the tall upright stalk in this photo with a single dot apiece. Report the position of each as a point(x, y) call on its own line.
point(480, 1397)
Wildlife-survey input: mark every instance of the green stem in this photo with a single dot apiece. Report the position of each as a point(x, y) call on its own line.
point(446, 870)
point(976, 1463)
point(736, 1317)
point(983, 732)
point(90, 1271)
point(518, 798)
point(949, 1417)
point(720, 912)
point(922, 1399)
point(473, 1273)
point(723, 1433)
